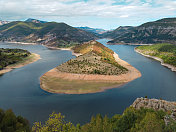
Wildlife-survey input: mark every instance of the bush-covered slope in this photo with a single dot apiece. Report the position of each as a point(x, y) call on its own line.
point(96, 59)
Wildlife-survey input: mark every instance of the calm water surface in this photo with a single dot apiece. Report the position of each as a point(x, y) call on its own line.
point(20, 88)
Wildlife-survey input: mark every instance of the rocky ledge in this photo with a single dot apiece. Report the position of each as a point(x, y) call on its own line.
point(157, 104)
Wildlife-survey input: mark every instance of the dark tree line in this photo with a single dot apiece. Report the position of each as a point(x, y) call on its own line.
point(12, 56)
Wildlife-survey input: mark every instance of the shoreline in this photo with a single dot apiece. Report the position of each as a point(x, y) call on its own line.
point(127, 44)
point(34, 58)
point(114, 81)
point(20, 43)
point(69, 49)
point(172, 68)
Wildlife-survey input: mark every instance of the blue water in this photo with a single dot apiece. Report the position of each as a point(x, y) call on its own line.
point(20, 88)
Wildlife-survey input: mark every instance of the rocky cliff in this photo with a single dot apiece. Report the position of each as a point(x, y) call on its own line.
point(156, 104)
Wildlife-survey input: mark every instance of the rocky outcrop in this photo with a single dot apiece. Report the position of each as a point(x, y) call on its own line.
point(157, 104)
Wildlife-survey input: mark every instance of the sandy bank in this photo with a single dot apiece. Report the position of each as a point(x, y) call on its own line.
point(173, 68)
point(32, 58)
point(48, 80)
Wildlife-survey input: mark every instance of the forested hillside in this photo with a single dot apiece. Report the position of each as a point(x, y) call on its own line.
point(50, 33)
point(12, 56)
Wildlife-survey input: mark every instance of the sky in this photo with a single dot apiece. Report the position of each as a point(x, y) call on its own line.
point(106, 14)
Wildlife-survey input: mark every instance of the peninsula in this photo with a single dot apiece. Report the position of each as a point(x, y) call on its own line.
point(15, 58)
point(97, 68)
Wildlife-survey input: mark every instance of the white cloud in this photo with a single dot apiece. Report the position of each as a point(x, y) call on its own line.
point(119, 9)
point(124, 16)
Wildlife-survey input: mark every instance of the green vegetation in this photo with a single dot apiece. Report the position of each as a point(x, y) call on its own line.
point(12, 56)
point(65, 44)
point(167, 52)
point(50, 33)
point(132, 120)
point(90, 63)
point(96, 59)
point(11, 123)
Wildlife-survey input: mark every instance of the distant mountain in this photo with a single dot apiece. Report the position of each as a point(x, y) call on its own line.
point(51, 33)
point(117, 32)
point(35, 20)
point(160, 31)
point(92, 30)
point(3, 22)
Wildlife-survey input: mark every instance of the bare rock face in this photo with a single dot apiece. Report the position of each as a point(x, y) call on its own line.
point(157, 104)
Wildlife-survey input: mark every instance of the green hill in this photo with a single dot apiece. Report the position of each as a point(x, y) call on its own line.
point(161, 31)
point(167, 52)
point(51, 33)
point(95, 59)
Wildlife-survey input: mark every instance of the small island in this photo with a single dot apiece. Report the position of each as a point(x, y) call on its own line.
point(15, 58)
point(96, 69)
point(165, 53)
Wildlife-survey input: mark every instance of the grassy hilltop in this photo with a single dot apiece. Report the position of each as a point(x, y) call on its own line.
point(95, 59)
point(167, 52)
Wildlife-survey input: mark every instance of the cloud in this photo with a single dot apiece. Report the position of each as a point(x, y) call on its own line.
point(124, 16)
point(109, 9)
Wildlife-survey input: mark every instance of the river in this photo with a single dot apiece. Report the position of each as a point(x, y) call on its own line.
point(20, 89)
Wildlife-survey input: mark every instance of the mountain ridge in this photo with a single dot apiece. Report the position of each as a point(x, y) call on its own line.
point(92, 30)
point(50, 33)
point(160, 31)
point(35, 20)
